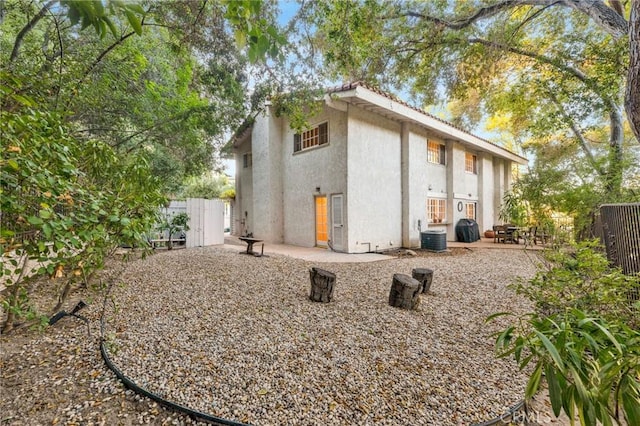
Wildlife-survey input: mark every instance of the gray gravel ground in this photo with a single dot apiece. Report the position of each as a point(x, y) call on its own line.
point(237, 337)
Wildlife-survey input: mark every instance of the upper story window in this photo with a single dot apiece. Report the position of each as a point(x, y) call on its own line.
point(247, 160)
point(436, 153)
point(313, 137)
point(470, 163)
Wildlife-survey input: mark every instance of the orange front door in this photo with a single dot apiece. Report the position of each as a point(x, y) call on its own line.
point(321, 221)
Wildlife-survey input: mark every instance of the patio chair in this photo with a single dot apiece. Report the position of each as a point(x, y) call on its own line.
point(542, 236)
point(499, 233)
point(528, 235)
point(510, 234)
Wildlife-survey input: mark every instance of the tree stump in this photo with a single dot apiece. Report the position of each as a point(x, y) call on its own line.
point(404, 292)
point(321, 285)
point(425, 276)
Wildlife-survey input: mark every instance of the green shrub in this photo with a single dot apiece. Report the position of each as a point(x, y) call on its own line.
point(583, 337)
point(65, 204)
point(581, 277)
point(591, 366)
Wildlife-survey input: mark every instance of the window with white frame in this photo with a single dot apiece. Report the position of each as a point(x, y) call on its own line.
point(470, 163)
point(436, 152)
point(470, 210)
point(316, 136)
point(436, 210)
point(247, 160)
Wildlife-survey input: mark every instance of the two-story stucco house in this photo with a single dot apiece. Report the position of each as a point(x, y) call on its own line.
point(370, 174)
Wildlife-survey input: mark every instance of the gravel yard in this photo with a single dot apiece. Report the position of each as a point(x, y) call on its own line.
point(237, 337)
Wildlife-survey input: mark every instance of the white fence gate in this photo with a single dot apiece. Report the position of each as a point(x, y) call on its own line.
point(206, 220)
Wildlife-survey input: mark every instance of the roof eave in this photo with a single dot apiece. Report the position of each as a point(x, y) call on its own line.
point(383, 105)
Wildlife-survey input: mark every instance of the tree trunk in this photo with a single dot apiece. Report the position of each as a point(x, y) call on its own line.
point(613, 177)
point(12, 298)
point(11, 309)
point(62, 297)
point(322, 283)
point(404, 292)
point(424, 276)
point(27, 28)
point(632, 96)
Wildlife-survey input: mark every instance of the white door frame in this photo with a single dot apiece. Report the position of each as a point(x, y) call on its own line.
point(337, 221)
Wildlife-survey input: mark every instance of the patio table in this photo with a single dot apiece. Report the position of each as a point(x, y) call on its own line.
point(250, 242)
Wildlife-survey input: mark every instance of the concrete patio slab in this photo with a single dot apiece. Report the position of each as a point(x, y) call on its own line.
point(312, 254)
point(317, 254)
point(487, 243)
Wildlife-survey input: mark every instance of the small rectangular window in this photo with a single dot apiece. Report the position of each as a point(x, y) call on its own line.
point(297, 142)
point(470, 163)
point(310, 138)
point(247, 160)
point(436, 153)
point(436, 210)
point(323, 134)
point(470, 210)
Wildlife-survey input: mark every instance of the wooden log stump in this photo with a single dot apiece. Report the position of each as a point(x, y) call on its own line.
point(404, 292)
point(425, 276)
point(322, 283)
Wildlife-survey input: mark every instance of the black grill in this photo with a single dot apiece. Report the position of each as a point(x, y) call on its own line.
point(467, 231)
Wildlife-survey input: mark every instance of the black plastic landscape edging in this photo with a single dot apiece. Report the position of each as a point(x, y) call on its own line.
point(200, 416)
point(194, 414)
point(504, 419)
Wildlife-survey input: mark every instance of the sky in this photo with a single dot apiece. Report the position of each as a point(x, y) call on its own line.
point(287, 10)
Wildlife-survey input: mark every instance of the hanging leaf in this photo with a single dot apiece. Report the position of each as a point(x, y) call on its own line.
point(134, 21)
point(551, 349)
point(13, 164)
point(35, 220)
point(534, 382)
point(555, 393)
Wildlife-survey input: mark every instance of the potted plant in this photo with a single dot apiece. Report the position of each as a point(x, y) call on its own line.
point(489, 233)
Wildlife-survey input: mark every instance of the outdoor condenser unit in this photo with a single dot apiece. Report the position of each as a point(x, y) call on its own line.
point(435, 240)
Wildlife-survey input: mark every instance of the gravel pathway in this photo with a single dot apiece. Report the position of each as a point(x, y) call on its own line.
point(237, 337)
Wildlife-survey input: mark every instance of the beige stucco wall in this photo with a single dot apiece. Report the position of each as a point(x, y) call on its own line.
point(243, 223)
point(267, 181)
point(486, 209)
point(422, 176)
point(374, 203)
point(380, 168)
point(323, 167)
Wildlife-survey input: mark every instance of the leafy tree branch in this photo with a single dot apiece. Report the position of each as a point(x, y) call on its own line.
point(583, 143)
point(608, 18)
point(25, 30)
